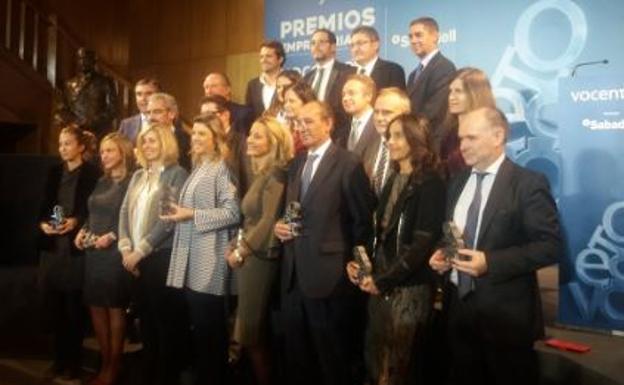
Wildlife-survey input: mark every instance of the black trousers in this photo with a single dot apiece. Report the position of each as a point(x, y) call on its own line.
point(319, 338)
point(163, 322)
point(209, 337)
point(67, 315)
point(481, 362)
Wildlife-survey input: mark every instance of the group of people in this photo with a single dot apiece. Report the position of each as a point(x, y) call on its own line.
point(313, 218)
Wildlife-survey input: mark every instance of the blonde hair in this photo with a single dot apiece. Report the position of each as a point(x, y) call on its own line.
point(213, 124)
point(169, 152)
point(125, 148)
point(282, 148)
point(84, 138)
point(404, 103)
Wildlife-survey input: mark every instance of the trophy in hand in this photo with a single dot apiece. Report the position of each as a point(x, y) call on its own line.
point(293, 217)
point(89, 239)
point(57, 217)
point(364, 263)
point(167, 199)
point(453, 240)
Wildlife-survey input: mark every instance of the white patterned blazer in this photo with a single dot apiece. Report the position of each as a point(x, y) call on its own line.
point(199, 245)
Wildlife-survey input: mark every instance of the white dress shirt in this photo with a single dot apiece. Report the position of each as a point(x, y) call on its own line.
point(368, 67)
point(465, 199)
point(327, 68)
point(320, 151)
point(362, 122)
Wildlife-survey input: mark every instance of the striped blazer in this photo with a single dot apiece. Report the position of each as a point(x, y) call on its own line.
point(199, 245)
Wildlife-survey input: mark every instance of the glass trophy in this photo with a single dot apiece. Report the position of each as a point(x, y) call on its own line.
point(453, 240)
point(58, 217)
point(293, 217)
point(89, 239)
point(364, 263)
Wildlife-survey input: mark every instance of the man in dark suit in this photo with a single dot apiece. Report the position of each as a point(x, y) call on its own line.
point(511, 229)
point(327, 76)
point(365, 55)
point(318, 304)
point(162, 108)
point(217, 83)
point(132, 126)
point(238, 162)
point(358, 94)
point(261, 90)
point(390, 103)
point(428, 84)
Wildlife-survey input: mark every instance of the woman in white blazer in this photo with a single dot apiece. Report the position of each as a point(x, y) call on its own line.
point(205, 216)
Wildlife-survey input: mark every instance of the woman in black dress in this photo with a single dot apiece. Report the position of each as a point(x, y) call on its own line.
point(107, 283)
point(408, 225)
point(61, 267)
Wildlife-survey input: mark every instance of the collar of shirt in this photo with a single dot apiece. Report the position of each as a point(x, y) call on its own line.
point(328, 65)
point(320, 151)
point(428, 58)
point(493, 168)
point(364, 118)
point(264, 81)
point(368, 67)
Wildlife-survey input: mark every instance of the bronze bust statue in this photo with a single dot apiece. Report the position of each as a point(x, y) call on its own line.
point(89, 99)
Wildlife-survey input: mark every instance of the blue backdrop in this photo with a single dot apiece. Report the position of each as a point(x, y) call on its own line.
point(527, 48)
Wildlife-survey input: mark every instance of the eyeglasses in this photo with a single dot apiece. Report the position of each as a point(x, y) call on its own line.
point(359, 43)
point(318, 42)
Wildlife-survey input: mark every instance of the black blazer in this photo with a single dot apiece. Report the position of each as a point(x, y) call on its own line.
point(337, 215)
point(333, 95)
point(429, 93)
point(388, 74)
point(412, 232)
point(253, 98)
point(519, 234)
point(87, 179)
point(240, 116)
point(184, 145)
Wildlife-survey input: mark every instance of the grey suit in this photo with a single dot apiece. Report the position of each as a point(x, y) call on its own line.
point(131, 127)
point(367, 139)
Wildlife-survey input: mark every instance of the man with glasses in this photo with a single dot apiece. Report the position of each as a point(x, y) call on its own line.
point(365, 55)
point(237, 162)
point(162, 108)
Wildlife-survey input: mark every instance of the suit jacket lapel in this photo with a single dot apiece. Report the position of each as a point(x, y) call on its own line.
point(411, 87)
point(324, 168)
point(332, 79)
point(499, 188)
point(455, 190)
point(407, 192)
point(368, 134)
point(294, 186)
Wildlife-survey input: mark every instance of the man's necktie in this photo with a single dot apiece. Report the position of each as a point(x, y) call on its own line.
point(361, 71)
point(465, 282)
point(318, 82)
point(306, 176)
point(417, 73)
point(381, 168)
point(353, 136)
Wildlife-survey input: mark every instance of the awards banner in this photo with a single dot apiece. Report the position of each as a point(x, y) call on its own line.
point(591, 121)
point(525, 46)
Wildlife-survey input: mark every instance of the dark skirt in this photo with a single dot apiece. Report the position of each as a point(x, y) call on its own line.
point(106, 282)
point(397, 328)
point(256, 280)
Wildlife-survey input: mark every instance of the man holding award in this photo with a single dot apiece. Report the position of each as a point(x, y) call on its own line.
point(511, 229)
point(336, 204)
